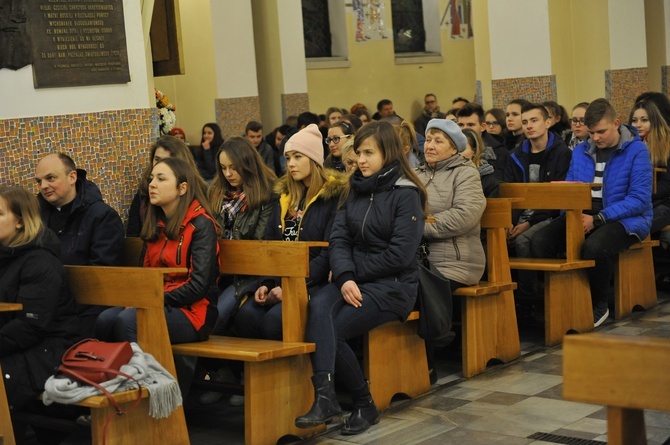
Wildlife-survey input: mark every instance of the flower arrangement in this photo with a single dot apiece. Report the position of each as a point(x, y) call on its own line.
point(166, 116)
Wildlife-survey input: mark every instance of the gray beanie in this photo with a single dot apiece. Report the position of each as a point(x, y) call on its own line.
point(452, 130)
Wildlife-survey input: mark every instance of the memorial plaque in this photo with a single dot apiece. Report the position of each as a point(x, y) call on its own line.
point(78, 42)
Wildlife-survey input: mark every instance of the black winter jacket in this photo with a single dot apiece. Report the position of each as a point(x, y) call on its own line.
point(554, 168)
point(33, 340)
point(315, 225)
point(93, 233)
point(375, 238)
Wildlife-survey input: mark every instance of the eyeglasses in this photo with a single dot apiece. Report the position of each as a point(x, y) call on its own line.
point(492, 124)
point(576, 121)
point(336, 139)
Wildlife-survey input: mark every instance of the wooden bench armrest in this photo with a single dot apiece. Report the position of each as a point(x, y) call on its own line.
point(484, 288)
point(616, 370)
point(120, 397)
point(243, 349)
point(414, 315)
point(549, 264)
point(10, 307)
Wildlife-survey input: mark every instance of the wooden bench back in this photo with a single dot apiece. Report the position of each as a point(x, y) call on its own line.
point(137, 287)
point(617, 370)
point(572, 197)
point(290, 261)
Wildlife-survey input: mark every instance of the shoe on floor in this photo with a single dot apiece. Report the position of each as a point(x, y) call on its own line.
point(600, 315)
point(221, 375)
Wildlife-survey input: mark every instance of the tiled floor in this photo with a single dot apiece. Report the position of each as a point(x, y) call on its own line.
point(505, 405)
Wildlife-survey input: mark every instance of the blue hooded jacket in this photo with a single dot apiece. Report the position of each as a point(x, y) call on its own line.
point(627, 180)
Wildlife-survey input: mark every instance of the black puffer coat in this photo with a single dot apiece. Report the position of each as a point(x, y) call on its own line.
point(33, 340)
point(375, 238)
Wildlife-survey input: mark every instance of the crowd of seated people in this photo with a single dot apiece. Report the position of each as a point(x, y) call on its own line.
point(365, 184)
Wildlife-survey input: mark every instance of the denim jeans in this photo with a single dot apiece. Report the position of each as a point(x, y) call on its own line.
point(602, 244)
point(331, 321)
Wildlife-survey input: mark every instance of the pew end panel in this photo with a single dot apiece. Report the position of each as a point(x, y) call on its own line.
point(141, 288)
point(634, 279)
point(626, 374)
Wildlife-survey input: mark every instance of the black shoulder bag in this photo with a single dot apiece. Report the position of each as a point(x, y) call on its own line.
point(433, 301)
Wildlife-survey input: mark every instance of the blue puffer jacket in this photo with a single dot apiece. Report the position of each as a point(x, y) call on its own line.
point(375, 238)
point(627, 180)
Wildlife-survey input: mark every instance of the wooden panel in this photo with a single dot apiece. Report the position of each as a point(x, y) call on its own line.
point(243, 349)
point(497, 213)
point(548, 195)
point(132, 252)
point(567, 305)
point(265, 258)
point(634, 280)
point(625, 426)
point(484, 288)
point(395, 344)
point(549, 264)
point(10, 307)
point(616, 370)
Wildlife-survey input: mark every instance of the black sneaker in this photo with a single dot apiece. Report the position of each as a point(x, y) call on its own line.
point(600, 315)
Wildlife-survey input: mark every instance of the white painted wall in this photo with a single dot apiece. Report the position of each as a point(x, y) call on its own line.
point(628, 45)
point(234, 51)
point(292, 46)
point(19, 98)
point(519, 36)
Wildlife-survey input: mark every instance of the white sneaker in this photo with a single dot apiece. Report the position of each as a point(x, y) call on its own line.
point(598, 321)
point(236, 399)
point(221, 375)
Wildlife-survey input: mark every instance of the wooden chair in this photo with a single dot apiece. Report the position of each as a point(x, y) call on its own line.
point(489, 326)
point(626, 374)
point(6, 429)
point(567, 295)
point(141, 288)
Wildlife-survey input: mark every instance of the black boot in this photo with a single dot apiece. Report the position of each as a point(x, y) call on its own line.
point(364, 414)
point(325, 403)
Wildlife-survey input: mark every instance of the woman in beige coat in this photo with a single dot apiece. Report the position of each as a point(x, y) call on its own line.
point(456, 202)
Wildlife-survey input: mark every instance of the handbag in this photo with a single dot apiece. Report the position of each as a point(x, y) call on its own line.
point(92, 362)
point(434, 302)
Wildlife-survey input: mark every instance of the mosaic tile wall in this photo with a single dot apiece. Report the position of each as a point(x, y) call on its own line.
point(232, 114)
point(479, 95)
point(623, 86)
point(293, 104)
point(111, 146)
point(665, 80)
point(534, 89)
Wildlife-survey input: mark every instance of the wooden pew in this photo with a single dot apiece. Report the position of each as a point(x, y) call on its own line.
point(634, 279)
point(489, 326)
point(277, 386)
point(626, 374)
point(567, 295)
point(141, 288)
point(6, 429)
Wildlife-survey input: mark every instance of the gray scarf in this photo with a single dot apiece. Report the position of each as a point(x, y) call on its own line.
point(164, 392)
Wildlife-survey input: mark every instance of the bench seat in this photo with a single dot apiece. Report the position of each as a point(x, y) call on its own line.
point(243, 349)
point(120, 397)
point(549, 264)
point(484, 288)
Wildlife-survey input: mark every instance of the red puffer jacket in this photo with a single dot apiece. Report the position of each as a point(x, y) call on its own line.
point(196, 249)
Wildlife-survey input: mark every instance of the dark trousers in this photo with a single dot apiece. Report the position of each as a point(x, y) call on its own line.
point(330, 323)
point(256, 321)
point(602, 245)
point(661, 218)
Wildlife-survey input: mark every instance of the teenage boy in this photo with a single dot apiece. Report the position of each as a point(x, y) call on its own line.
point(542, 157)
point(621, 212)
point(514, 134)
point(254, 133)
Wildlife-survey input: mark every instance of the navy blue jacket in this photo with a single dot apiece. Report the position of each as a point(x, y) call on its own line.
point(554, 168)
point(375, 238)
point(93, 233)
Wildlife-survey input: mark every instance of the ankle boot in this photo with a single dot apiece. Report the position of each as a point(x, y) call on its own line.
point(364, 414)
point(325, 405)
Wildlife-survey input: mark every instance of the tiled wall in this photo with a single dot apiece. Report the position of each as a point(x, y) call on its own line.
point(534, 89)
point(293, 104)
point(623, 86)
point(479, 95)
point(111, 146)
point(232, 114)
point(665, 79)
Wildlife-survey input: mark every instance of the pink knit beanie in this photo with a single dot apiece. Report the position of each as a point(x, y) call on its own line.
point(308, 142)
